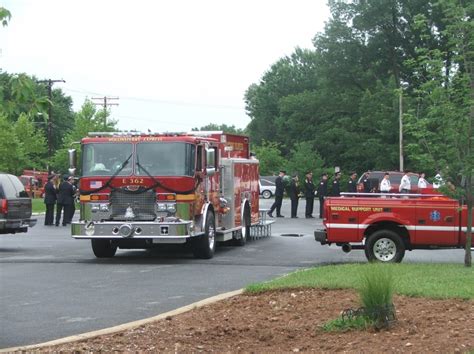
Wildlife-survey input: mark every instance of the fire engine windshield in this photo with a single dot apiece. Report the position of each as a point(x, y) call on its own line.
point(165, 159)
point(106, 159)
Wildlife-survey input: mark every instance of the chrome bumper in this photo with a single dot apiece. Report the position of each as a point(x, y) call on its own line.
point(16, 224)
point(169, 232)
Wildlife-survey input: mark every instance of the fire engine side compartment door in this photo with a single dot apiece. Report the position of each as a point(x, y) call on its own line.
point(436, 222)
point(342, 220)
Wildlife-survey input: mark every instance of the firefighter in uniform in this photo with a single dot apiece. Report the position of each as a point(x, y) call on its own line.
point(322, 193)
point(309, 194)
point(293, 193)
point(279, 191)
point(50, 197)
point(336, 188)
point(366, 182)
point(351, 185)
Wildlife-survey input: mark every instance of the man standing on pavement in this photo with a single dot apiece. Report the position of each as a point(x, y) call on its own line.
point(309, 194)
point(336, 188)
point(65, 201)
point(385, 184)
point(351, 185)
point(366, 182)
point(279, 191)
point(293, 193)
point(50, 197)
point(322, 193)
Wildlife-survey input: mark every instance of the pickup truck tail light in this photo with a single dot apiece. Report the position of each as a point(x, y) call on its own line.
point(3, 206)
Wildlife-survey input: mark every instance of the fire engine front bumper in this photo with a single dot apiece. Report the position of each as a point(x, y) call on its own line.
point(320, 236)
point(175, 232)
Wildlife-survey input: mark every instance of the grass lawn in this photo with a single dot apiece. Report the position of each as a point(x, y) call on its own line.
point(38, 205)
point(423, 280)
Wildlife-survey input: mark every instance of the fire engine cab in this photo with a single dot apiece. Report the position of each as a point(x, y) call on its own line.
point(385, 225)
point(141, 190)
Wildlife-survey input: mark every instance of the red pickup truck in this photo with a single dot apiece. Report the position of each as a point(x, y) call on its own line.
point(385, 225)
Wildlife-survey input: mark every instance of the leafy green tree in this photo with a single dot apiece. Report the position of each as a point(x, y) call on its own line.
point(12, 154)
point(304, 157)
point(271, 160)
point(221, 127)
point(87, 120)
point(32, 140)
point(5, 16)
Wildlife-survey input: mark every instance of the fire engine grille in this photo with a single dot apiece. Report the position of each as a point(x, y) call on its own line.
point(141, 203)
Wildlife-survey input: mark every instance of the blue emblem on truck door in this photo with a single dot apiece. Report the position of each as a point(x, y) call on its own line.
point(435, 215)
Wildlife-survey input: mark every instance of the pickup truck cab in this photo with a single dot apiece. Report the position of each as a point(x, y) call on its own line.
point(386, 225)
point(15, 206)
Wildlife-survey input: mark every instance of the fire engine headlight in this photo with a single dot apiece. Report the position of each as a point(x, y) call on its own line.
point(171, 208)
point(95, 207)
point(161, 206)
point(104, 207)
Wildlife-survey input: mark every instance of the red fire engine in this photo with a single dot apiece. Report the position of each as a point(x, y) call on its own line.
point(141, 190)
point(34, 182)
point(385, 225)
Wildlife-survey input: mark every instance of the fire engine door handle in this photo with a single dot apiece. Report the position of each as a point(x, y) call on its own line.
point(352, 219)
point(335, 216)
point(422, 221)
point(449, 218)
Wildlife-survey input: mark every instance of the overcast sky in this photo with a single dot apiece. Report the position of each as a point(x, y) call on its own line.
point(174, 65)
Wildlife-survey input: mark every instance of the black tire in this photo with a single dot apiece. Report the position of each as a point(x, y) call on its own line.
point(245, 231)
point(204, 246)
point(266, 194)
point(384, 246)
point(103, 248)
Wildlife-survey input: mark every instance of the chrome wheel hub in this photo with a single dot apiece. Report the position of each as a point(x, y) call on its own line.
point(385, 249)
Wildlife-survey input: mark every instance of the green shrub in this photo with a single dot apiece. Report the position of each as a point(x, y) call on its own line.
point(343, 325)
point(376, 293)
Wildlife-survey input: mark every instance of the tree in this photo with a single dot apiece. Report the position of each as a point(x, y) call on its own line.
point(5, 16)
point(231, 129)
point(12, 154)
point(88, 119)
point(271, 160)
point(304, 157)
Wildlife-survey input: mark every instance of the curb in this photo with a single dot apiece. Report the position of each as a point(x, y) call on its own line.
point(128, 325)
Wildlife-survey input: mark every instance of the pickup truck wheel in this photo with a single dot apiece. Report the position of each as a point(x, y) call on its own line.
point(204, 246)
point(266, 194)
point(103, 248)
point(384, 246)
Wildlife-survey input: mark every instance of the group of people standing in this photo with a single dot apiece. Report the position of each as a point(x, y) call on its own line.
point(62, 195)
point(309, 190)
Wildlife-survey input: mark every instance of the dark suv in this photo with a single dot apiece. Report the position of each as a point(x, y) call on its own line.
point(15, 206)
point(395, 178)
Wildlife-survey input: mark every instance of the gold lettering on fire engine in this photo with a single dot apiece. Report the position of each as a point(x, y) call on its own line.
point(236, 146)
point(363, 209)
point(132, 180)
point(135, 139)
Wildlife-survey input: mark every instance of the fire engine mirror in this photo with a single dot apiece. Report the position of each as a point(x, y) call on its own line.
point(72, 161)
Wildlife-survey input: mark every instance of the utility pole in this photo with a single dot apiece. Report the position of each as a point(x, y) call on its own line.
point(400, 119)
point(49, 83)
point(105, 102)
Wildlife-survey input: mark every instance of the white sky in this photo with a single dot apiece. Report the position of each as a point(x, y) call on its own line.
point(174, 64)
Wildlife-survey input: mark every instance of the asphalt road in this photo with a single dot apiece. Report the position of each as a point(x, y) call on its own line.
point(52, 286)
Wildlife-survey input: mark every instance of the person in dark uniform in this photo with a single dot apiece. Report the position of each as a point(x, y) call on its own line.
point(293, 193)
point(50, 197)
point(73, 205)
point(279, 191)
point(65, 201)
point(336, 188)
point(309, 194)
point(366, 182)
point(322, 193)
point(352, 184)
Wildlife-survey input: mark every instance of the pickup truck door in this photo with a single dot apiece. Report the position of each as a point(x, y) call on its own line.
point(437, 222)
point(342, 220)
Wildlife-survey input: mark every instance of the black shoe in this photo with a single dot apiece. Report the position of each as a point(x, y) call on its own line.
point(309, 217)
point(294, 217)
point(57, 224)
point(280, 216)
point(64, 224)
point(270, 214)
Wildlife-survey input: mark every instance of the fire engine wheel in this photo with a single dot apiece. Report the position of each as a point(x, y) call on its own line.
point(204, 246)
point(266, 194)
point(103, 248)
point(245, 232)
point(385, 246)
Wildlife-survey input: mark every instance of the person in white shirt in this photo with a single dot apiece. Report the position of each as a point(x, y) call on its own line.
point(385, 183)
point(438, 180)
point(405, 184)
point(422, 181)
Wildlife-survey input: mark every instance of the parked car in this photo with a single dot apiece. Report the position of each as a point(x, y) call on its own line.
point(267, 186)
point(15, 206)
point(395, 178)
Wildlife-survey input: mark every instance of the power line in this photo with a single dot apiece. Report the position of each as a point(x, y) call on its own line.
point(106, 102)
